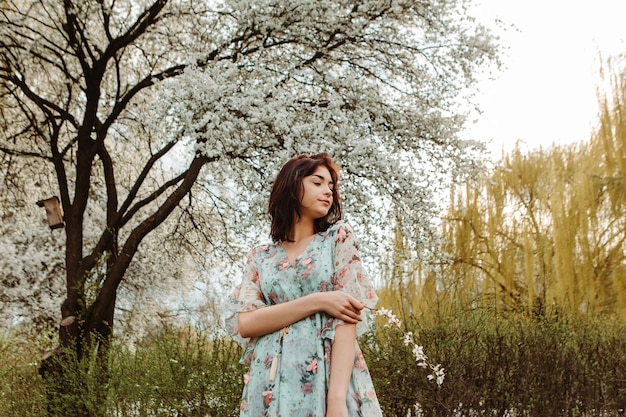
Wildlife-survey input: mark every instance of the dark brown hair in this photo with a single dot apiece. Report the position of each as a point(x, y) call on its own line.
point(286, 195)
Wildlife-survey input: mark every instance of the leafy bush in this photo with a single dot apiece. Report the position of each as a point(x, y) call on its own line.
point(503, 366)
point(21, 391)
point(494, 367)
point(171, 373)
point(177, 374)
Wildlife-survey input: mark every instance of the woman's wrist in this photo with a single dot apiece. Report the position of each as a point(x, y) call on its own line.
point(334, 396)
point(316, 301)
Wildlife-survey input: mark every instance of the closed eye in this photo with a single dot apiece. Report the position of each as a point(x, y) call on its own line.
point(331, 185)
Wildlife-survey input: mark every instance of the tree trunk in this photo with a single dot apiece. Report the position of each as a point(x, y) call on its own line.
point(76, 373)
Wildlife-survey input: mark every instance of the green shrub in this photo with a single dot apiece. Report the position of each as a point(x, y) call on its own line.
point(494, 367)
point(177, 374)
point(21, 391)
point(171, 373)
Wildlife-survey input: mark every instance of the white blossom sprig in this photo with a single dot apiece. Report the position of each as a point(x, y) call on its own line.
point(437, 371)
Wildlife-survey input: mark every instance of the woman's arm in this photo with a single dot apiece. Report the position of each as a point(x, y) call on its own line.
point(341, 364)
point(269, 319)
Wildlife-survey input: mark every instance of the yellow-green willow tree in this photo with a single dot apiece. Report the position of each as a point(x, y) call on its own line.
point(544, 233)
point(547, 230)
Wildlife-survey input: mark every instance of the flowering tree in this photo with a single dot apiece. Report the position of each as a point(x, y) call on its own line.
point(31, 265)
point(147, 109)
point(32, 284)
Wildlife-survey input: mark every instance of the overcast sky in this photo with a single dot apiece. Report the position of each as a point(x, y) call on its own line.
point(547, 91)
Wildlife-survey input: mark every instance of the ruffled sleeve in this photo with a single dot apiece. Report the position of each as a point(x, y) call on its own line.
point(349, 275)
point(247, 296)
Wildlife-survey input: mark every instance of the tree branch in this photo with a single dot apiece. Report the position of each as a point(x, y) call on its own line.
point(109, 287)
point(152, 197)
point(109, 178)
point(46, 106)
point(142, 176)
point(148, 81)
point(121, 217)
point(15, 152)
point(73, 31)
point(138, 28)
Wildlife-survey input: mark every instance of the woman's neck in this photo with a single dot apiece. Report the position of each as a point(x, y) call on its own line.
point(302, 229)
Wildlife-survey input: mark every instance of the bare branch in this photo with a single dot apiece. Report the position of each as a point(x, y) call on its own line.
point(152, 197)
point(141, 178)
point(137, 29)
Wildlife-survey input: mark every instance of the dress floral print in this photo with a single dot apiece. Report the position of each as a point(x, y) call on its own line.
point(289, 369)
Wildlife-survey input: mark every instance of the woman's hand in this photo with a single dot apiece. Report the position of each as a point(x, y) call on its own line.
point(341, 305)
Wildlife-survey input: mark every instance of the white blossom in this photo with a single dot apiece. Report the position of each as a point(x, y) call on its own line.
point(421, 359)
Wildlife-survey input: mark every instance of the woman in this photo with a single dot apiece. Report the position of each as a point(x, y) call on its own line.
point(299, 305)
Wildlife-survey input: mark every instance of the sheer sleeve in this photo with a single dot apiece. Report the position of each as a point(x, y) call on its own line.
point(349, 275)
point(247, 296)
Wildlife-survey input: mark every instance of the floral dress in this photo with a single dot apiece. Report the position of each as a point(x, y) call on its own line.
point(289, 370)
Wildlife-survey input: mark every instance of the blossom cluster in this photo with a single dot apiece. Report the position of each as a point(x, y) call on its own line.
point(437, 371)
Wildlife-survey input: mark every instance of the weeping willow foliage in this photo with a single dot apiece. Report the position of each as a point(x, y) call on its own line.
point(544, 234)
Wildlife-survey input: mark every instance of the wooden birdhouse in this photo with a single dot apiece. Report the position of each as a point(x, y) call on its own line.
point(53, 212)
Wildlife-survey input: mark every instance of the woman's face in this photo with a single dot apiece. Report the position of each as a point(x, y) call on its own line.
point(317, 194)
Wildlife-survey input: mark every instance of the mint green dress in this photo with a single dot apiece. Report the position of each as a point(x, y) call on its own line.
point(289, 370)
